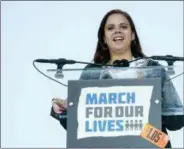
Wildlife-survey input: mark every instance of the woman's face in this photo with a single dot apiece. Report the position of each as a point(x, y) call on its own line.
point(118, 34)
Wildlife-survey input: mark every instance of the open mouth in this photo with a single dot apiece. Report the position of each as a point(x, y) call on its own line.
point(118, 39)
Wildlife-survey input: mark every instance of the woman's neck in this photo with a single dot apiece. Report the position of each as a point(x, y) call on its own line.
point(128, 56)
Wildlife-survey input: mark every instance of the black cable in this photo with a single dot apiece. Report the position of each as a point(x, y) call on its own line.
point(46, 75)
point(174, 77)
point(166, 80)
point(97, 65)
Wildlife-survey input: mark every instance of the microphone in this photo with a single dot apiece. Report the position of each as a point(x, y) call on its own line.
point(59, 62)
point(121, 63)
point(170, 61)
point(168, 58)
point(56, 61)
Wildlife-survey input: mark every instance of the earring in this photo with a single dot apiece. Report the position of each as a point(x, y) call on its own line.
point(104, 46)
point(134, 42)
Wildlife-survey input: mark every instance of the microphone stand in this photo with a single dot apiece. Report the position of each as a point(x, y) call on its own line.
point(59, 74)
point(170, 64)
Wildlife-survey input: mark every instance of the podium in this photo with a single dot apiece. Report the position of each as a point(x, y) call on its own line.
point(109, 107)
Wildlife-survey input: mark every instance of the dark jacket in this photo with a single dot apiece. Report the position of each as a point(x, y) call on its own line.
point(169, 121)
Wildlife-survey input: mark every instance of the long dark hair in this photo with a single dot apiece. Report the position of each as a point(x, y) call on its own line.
point(102, 54)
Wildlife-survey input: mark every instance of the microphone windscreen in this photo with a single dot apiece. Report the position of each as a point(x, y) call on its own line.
point(121, 63)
